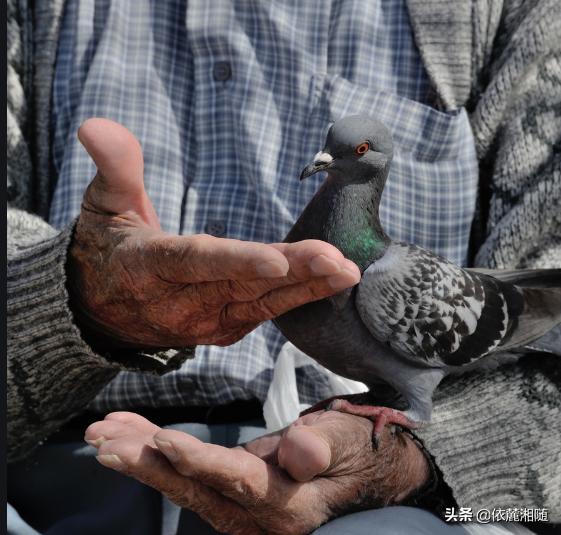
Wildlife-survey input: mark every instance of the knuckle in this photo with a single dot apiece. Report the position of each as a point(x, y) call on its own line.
point(234, 317)
point(236, 524)
point(177, 249)
point(315, 292)
point(228, 317)
point(243, 291)
point(185, 251)
point(264, 310)
point(198, 242)
point(152, 248)
point(235, 335)
point(180, 496)
point(232, 288)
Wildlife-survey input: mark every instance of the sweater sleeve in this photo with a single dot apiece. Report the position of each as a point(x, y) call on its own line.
point(495, 436)
point(516, 120)
point(52, 373)
point(19, 166)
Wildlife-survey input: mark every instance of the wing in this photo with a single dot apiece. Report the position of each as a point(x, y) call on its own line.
point(425, 307)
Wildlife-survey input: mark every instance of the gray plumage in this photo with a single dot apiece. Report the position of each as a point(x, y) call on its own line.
point(414, 317)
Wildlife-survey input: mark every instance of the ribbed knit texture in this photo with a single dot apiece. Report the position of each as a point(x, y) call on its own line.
point(438, 31)
point(495, 435)
point(46, 352)
point(19, 73)
point(47, 19)
point(517, 127)
point(503, 61)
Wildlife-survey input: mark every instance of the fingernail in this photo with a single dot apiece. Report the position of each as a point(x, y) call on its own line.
point(97, 442)
point(271, 269)
point(342, 280)
point(111, 461)
point(167, 449)
point(322, 265)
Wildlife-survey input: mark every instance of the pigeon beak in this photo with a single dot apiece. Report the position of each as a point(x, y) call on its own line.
point(322, 161)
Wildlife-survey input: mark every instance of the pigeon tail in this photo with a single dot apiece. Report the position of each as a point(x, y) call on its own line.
point(542, 313)
point(539, 326)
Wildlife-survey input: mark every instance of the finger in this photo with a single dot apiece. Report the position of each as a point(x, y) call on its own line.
point(233, 472)
point(282, 300)
point(141, 424)
point(118, 424)
point(309, 261)
point(318, 444)
point(267, 493)
point(118, 187)
point(311, 258)
point(202, 258)
point(304, 453)
point(264, 447)
point(134, 458)
point(99, 432)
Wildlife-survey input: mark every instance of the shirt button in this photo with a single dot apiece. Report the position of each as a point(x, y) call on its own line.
point(216, 228)
point(222, 71)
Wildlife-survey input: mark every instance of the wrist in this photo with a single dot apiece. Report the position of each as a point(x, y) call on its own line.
point(90, 330)
point(416, 466)
point(97, 336)
point(434, 495)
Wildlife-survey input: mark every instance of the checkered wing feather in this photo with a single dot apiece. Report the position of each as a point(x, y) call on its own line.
point(425, 307)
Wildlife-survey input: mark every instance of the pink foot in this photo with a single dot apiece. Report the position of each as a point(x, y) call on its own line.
point(381, 416)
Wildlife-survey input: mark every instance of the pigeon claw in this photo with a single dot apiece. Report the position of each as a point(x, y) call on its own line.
point(380, 416)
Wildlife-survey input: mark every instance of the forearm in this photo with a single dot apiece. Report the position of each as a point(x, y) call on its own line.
point(495, 436)
point(52, 372)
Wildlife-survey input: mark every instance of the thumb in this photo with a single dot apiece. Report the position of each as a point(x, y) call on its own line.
point(324, 443)
point(118, 187)
point(304, 453)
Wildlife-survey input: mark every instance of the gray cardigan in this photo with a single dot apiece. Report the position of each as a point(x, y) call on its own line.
point(496, 435)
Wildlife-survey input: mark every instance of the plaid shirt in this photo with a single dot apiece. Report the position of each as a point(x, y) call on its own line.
point(230, 99)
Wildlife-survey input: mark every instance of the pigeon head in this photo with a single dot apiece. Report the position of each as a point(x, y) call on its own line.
point(357, 148)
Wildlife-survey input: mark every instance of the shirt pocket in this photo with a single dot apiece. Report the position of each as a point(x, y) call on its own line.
point(431, 191)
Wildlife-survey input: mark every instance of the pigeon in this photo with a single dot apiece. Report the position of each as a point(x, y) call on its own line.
point(414, 317)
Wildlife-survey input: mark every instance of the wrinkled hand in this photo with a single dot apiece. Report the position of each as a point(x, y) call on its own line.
point(290, 482)
point(139, 286)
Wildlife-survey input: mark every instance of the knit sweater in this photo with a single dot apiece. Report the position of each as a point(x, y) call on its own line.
point(495, 435)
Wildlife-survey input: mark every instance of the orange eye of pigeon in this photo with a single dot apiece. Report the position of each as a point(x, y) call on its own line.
point(362, 148)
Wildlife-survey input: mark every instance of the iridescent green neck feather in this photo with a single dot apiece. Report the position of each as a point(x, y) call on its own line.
point(362, 246)
point(354, 224)
point(345, 215)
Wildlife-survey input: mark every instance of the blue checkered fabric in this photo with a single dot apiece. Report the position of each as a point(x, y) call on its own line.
point(230, 99)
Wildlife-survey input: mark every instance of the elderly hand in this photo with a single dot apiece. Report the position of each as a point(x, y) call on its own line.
point(290, 482)
point(138, 286)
